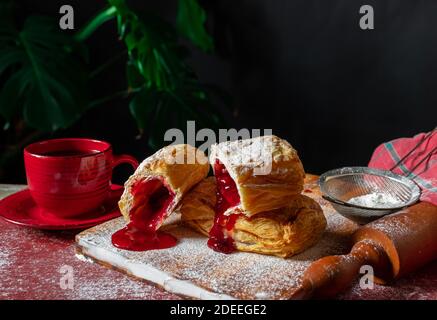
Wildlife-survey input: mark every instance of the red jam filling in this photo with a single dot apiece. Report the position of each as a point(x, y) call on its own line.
point(227, 197)
point(151, 201)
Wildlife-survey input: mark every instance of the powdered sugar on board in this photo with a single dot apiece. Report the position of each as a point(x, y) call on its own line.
point(31, 260)
point(192, 269)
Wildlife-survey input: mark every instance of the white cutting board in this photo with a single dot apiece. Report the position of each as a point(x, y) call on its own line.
point(192, 269)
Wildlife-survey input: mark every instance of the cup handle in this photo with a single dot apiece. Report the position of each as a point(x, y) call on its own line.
point(121, 159)
point(124, 158)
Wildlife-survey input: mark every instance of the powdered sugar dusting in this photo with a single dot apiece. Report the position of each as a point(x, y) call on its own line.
point(109, 289)
point(31, 260)
point(251, 152)
point(421, 285)
point(253, 155)
point(396, 227)
point(4, 259)
point(239, 275)
point(376, 200)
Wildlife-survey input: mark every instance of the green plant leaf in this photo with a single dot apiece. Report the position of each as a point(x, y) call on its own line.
point(150, 110)
point(160, 124)
point(143, 106)
point(152, 46)
point(10, 94)
point(103, 16)
point(43, 79)
point(133, 76)
point(191, 24)
point(171, 94)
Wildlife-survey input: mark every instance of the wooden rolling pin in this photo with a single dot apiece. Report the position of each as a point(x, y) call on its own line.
point(393, 245)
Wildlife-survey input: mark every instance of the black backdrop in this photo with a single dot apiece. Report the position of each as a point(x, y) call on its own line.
point(303, 68)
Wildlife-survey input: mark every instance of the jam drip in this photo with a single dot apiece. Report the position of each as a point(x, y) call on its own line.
point(151, 201)
point(227, 197)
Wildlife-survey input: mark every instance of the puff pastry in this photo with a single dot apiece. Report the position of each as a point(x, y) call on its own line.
point(197, 207)
point(159, 183)
point(258, 174)
point(281, 232)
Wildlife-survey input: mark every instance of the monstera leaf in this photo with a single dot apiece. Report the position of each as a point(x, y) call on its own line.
point(168, 92)
point(191, 24)
point(157, 111)
point(41, 78)
point(152, 46)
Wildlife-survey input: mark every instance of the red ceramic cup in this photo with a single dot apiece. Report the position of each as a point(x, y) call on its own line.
point(70, 177)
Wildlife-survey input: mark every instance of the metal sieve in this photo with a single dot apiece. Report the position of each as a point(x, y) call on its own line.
point(340, 185)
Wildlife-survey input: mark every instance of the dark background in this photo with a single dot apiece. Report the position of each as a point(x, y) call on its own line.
point(303, 68)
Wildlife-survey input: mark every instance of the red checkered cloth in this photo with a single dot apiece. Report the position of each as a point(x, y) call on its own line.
point(390, 153)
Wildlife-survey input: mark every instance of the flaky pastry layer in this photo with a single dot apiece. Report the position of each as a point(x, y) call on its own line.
point(266, 170)
point(281, 232)
point(179, 167)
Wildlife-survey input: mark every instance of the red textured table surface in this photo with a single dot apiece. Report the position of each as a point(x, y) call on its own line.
point(31, 262)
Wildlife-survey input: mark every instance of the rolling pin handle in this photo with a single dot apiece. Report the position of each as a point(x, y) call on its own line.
point(330, 275)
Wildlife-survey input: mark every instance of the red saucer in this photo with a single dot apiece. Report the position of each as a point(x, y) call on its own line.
point(19, 208)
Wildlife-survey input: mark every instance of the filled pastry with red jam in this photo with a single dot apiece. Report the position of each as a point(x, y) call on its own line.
point(153, 192)
point(282, 232)
point(257, 174)
point(254, 175)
